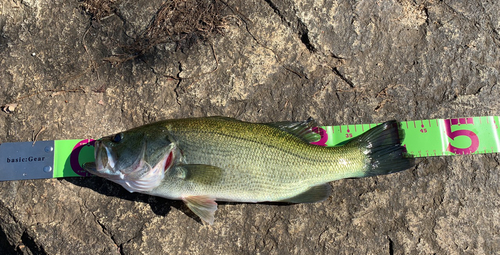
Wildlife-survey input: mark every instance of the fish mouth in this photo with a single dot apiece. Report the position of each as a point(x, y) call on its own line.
point(105, 161)
point(104, 157)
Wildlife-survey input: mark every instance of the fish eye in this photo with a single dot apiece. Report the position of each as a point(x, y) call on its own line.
point(117, 138)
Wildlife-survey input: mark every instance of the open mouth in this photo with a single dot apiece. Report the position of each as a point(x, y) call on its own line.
point(104, 157)
point(104, 160)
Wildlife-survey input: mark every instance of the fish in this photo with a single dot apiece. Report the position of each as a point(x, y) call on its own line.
point(208, 159)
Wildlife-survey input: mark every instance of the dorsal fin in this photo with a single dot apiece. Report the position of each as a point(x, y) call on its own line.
point(300, 129)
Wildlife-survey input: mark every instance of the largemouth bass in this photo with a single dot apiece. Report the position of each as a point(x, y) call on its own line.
point(203, 160)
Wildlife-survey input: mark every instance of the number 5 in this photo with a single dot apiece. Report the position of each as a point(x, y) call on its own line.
point(452, 134)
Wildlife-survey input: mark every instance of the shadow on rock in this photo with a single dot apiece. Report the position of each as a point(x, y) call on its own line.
point(160, 206)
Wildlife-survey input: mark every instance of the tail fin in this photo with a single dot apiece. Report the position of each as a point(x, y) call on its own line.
point(382, 147)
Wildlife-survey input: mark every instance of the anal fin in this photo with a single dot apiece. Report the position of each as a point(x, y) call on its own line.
point(312, 195)
point(203, 206)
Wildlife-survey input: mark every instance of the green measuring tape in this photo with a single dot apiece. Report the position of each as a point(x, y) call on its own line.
point(423, 138)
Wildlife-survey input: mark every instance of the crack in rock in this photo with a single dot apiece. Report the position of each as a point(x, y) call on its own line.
point(341, 76)
point(107, 233)
point(30, 243)
point(301, 28)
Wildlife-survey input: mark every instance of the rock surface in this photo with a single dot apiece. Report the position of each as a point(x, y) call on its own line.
point(341, 62)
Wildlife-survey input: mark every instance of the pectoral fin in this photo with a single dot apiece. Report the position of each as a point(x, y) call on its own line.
point(203, 206)
point(202, 174)
point(312, 195)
